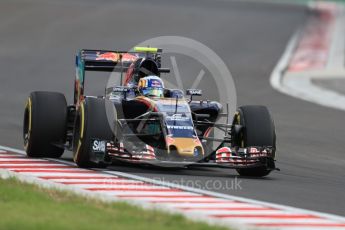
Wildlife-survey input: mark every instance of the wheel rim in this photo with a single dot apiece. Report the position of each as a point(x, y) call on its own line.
point(237, 121)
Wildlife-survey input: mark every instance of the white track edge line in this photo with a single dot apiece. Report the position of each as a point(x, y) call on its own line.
point(200, 191)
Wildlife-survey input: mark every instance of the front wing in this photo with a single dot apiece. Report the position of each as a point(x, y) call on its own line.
point(226, 157)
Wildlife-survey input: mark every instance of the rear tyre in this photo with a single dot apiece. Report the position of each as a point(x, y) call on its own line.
point(258, 130)
point(91, 123)
point(44, 128)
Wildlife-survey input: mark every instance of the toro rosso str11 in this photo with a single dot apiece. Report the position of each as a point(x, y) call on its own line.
point(141, 121)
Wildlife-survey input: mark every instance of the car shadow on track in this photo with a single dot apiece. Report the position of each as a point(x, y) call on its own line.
point(194, 171)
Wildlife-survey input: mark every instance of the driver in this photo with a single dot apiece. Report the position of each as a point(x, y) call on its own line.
point(151, 86)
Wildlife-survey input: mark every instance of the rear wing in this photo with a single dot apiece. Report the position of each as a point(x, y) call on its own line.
point(114, 61)
point(110, 61)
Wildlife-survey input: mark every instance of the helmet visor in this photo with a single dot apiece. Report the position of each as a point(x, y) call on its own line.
point(152, 92)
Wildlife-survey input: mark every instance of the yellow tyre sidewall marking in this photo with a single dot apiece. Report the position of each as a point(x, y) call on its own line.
point(82, 121)
point(81, 132)
point(28, 106)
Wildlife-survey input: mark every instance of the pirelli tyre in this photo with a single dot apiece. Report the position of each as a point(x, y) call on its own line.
point(44, 128)
point(257, 130)
point(91, 124)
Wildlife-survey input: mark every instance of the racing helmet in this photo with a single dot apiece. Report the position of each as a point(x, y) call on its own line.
point(151, 86)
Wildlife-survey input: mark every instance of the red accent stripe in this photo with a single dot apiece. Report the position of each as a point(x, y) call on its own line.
point(231, 209)
point(208, 131)
point(148, 104)
point(52, 171)
point(122, 181)
point(76, 177)
point(27, 162)
point(270, 216)
point(37, 167)
point(327, 225)
point(134, 189)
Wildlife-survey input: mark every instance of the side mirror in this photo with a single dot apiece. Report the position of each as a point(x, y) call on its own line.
point(122, 90)
point(193, 92)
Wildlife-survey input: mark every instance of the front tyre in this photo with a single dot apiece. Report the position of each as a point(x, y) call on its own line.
point(91, 123)
point(258, 130)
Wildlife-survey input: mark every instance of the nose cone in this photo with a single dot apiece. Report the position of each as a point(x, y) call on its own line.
point(188, 147)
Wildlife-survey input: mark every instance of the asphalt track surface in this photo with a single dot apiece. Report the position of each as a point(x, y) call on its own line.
point(38, 41)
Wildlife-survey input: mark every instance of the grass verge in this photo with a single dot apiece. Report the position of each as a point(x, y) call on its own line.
point(27, 206)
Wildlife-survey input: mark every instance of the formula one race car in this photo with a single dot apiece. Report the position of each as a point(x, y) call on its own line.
point(141, 121)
